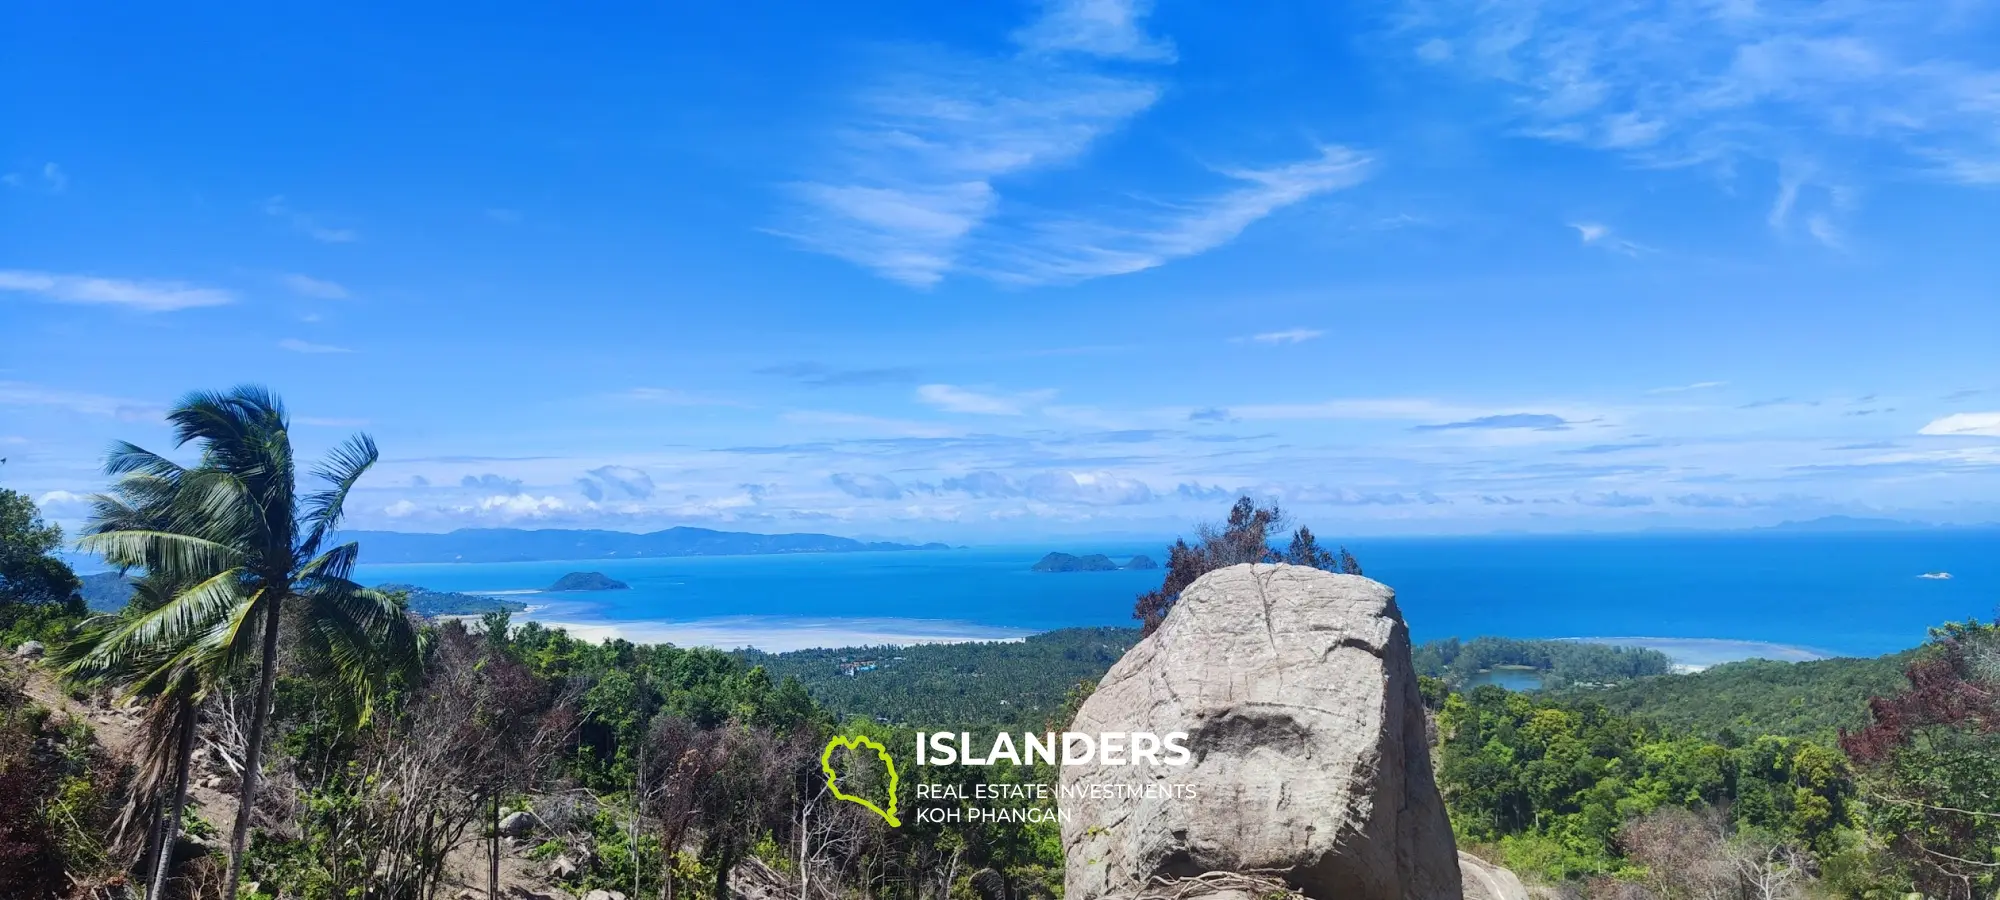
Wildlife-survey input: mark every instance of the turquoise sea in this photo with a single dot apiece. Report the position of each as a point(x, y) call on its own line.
point(1840, 594)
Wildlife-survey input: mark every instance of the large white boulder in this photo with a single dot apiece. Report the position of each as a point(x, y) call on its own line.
point(1306, 730)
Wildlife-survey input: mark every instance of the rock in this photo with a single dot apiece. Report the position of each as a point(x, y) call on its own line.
point(601, 894)
point(188, 847)
point(987, 884)
point(1296, 691)
point(30, 650)
point(518, 824)
point(562, 868)
point(1486, 881)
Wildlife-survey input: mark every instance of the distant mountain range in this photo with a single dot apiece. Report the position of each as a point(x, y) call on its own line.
point(477, 545)
point(1848, 523)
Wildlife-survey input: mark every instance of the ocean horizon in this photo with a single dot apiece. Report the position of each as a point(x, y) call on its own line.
point(1703, 598)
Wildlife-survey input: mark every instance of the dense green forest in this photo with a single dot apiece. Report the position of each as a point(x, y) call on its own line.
point(1759, 696)
point(1560, 662)
point(999, 683)
point(1020, 682)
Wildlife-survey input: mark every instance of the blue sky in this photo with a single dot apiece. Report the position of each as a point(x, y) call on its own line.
point(993, 271)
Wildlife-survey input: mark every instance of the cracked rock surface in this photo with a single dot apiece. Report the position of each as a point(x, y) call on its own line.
point(1309, 761)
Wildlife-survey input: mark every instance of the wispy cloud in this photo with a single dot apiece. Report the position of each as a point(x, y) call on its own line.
point(867, 486)
point(298, 346)
point(1536, 421)
point(1598, 234)
point(914, 172)
point(952, 398)
point(1113, 29)
point(1981, 424)
point(821, 375)
point(316, 288)
point(50, 178)
point(1682, 388)
point(1288, 336)
point(16, 393)
point(308, 225)
point(145, 296)
point(912, 185)
point(1788, 83)
point(671, 397)
point(616, 483)
point(1061, 250)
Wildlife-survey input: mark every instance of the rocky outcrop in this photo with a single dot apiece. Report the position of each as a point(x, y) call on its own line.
point(1486, 881)
point(1306, 733)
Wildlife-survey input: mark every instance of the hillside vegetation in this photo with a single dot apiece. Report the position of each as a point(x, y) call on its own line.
point(1760, 696)
point(997, 683)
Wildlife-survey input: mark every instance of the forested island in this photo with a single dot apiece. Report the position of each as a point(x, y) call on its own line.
point(1095, 562)
point(587, 581)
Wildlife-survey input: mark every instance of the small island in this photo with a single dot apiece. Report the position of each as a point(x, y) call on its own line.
point(587, 581)
point(1095, 562)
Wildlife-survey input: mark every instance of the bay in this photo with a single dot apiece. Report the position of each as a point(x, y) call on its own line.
point(1830, 594)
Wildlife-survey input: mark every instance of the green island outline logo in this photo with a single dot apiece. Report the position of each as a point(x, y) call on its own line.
point(856, 742)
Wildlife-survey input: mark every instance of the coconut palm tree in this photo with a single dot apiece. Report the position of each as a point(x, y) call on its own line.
point(174, 679)
point(249, 549)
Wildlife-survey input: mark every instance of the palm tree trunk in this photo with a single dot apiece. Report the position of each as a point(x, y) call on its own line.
point(493, 852)
point(259, 717)
point(171, 831)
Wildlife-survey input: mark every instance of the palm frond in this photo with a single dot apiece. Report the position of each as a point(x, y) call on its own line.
point(127, 458)
point(341, 469)
point(164, 552)
point(336, 565)
point(164, 631)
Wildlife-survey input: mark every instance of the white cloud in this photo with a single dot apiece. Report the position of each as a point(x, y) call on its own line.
point(145, 296)
point(307, 225)
point(1682, 388)
point(298, 346)
point(913, 186)
point(1798, 85)
point(1061, 251)
point(60, 502)
point(866, 485)
point(1288, 336)
point(951, 398)
point(1107, 28)
point(1982, 424)
point(1388, 408)
point(49, 178)
point(916, 171)
point(521, 506)
point(1096, 488)
point(316, 288)
point(1598, 234)
point(16, 393)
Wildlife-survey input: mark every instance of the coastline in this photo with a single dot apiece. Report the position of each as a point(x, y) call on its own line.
point(1695, 654)
point(781, 634)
